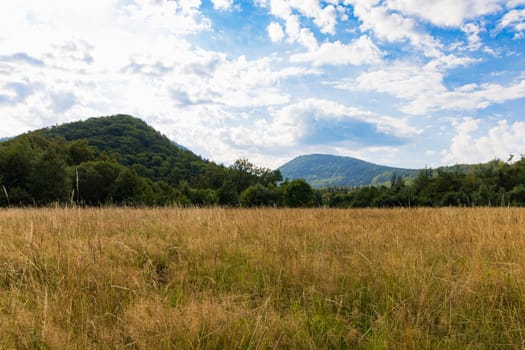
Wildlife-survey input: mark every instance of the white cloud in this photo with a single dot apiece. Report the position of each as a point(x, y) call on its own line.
point(290, 124)
point(403, 80)
point(325, 18)
point(295, 33)
point(468, 146)
point(360, 51)
point(175, 16)
point(514, 19)
point(446, 13)
point(423, 89)
point(467, 97)
point(62, 60)
point(393, 27)
point(515, 3)
point(275, 31)
point(290, 11)
point(473, 30)
point(222, 4)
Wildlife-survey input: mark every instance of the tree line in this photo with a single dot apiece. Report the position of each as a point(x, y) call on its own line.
point(496, 183)
point(120, 160)
point(37, 170)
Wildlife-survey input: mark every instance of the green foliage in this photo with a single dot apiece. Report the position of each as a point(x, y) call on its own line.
point(118, 160)
point(203, 197)
point(33, 171)
point(121, 160)
point(258, 195)
point(298, 193)
point(227, 195)
point(79, 152)
point(96, 181)
point(333, 171)
point(492, 184)
point(134, 144)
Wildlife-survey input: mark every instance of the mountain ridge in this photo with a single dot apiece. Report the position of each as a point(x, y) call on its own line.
point(326, 170)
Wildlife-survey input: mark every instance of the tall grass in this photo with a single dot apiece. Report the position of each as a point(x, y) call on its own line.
point(262, 278)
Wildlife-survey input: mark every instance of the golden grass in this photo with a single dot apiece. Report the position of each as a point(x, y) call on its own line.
point(262, 278)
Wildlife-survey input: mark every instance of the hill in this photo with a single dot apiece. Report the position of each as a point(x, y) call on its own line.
point(321, 170)
point(122, 160)
point(137, 145)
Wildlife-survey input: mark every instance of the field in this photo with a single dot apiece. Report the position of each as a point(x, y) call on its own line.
point(262, 278)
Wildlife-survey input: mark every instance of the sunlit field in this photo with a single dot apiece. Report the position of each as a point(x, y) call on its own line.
point(262, 278)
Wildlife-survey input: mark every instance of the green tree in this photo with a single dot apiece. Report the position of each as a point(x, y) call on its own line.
point(48, 181)
point(298, 193)
point(128, 188)
point(203, 197)
point(79, 152)
point(517, 195)
point(96, 180)
point(257, 195)
point(227, 194)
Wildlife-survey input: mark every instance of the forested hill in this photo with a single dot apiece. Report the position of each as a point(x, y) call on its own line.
point(121, 160)
point(321, 170)
point(137, 145)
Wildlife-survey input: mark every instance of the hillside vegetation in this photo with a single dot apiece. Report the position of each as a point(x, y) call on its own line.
point(262, 278)
point(135, 144)
point(120, 160)
point(323, 170)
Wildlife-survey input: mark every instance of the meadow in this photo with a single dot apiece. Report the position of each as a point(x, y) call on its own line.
point(176, 278)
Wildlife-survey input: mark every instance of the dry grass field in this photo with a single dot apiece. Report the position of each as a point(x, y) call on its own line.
point(262, 278)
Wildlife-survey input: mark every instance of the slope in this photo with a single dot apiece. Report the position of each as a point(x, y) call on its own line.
point(137, 145)
point(321, 170)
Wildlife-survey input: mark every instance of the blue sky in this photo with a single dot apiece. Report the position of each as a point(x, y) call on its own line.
point(408, 83)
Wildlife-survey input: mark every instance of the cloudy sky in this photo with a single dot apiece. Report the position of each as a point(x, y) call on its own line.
point(399, 82)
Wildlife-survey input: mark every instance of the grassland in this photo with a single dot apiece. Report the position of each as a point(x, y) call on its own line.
point(262, 278)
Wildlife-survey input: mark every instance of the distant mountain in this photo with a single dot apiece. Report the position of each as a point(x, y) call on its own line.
point(321, 170)
point(137, 145)
point(3, 139)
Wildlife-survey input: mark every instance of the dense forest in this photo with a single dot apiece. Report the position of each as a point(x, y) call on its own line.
point(496, 183)
point(326, 170)
point(120, 160)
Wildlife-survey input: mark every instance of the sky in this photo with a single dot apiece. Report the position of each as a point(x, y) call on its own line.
point(407, 83)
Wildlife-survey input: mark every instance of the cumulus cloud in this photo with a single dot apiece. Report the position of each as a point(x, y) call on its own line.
point(325, 17)
point(21, 57)
point(515, 20)
point(290, 11)
point(472, 31)
point(309, 121)
point(163, 61)
point(175, 16)
point(446, 13)
point(402, 79)
point(515, 3)
point(275, 31)
point(470, 146)
point(466, 97)
point(295, 33)
point(423, 89)
point(222, 4)
point(360, 51)
point(394, 27)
